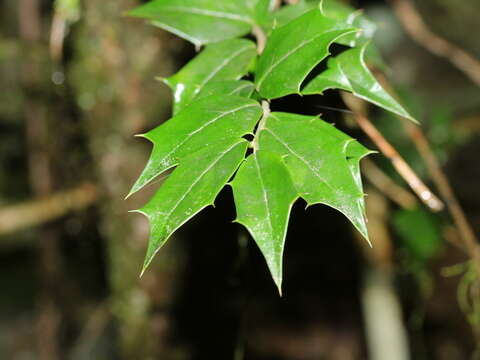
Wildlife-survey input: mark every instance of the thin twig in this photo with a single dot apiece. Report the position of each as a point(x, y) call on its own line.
point(412, 179)
point(417, 185)
point(440, 180)
point(259, 34)
point(387, 186)
point(40, 211)
point(418, 30)
point(446, 191)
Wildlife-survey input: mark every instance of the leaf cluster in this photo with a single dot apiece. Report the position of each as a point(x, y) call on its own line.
point(290, 156)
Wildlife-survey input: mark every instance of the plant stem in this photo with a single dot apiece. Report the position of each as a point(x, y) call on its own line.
point(259, 34)
point(417, 185)
point(40, 211)
point(441, 182)
point(261, 125)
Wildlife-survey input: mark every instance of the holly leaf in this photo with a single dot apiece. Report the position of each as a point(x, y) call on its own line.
point(293, 50)
point(192, 186)
point(349, 72)
point(226, 60)
point(198, 21)
point(196, 127)
point(322, 161)
point(264, 194)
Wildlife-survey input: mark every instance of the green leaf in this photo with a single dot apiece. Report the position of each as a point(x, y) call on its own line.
point(214, 122)
point(293, 50)
point(264, 194)
point(241, 88)
point(349, 72)
point(193, 186)
point(323, 162)
point(226, 60)
point(198, 21)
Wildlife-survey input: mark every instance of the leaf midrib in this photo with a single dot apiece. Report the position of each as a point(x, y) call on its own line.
point(188, 137)
point(293, 152)
point(221, 155)
point(206, 12)
point(265, 195)
point(221, 66)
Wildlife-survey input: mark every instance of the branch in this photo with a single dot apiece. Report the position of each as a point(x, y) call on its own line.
point(417, 185)
point(446, 191)
point(418, 30)
point(36, 212)
point(440, 180)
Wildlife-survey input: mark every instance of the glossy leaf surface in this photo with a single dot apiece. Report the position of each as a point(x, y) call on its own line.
point(192, 186)
point(323, 162)
point(226, 60)
point(264, 194)
point(198, 127)
point(199, 21)
point(349, 72)
point(293, 50)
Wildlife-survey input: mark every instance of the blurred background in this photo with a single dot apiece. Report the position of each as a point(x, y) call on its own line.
point(77, 81)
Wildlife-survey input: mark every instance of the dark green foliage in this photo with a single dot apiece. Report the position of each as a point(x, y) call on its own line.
point(292, 156)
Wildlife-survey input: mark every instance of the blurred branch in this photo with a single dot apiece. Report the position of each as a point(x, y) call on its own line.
point(387, 186)
point(446, 191)
point(37, 212)
point(418, 30)
point(440, 180)
point(57, 35)
point(400, 165)
point(29, 19)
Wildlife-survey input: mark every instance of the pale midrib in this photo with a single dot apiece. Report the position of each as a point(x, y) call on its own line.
point(288, 54)
point(300, 157)
point(265, 196)
point(198, 179)
point(211, 13)
point(220, 67)
point(240, 88)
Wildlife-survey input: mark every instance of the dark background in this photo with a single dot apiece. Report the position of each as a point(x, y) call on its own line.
point(71, 100)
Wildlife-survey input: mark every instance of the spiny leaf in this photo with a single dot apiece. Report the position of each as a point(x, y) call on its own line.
point(293, 50)
point(264, 195)
point(323, 162)
point(349, 72)
point(197, 127)
point(198, 21)
point(226, 60)
point(192, 186)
